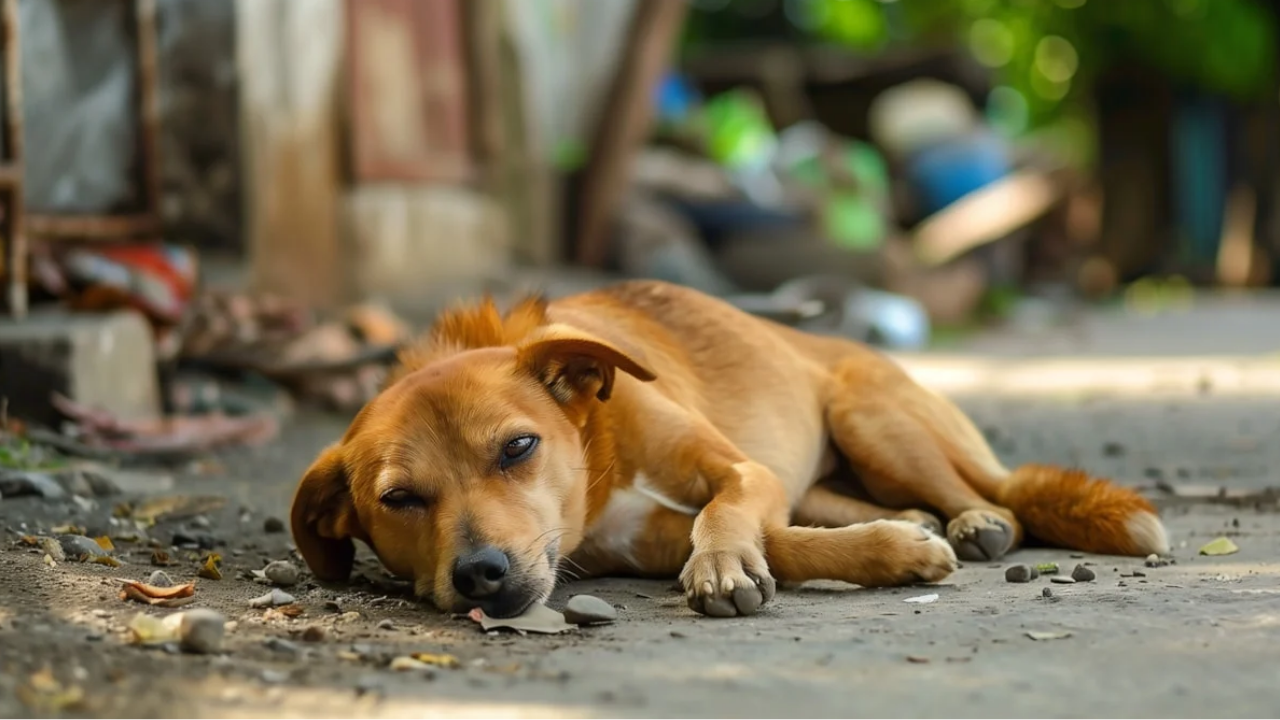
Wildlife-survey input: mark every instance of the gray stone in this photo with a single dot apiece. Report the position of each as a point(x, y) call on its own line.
point(273, 525)
point(588, 610)
point(1020, 574)
point(1083, 574)
point(281, 645)
point(201, 631)
point(17, 483)
point(275, 597)
point(79, 547)
point(104, 360)
point(160, 579)
point(282, 573)
point(1062, 580)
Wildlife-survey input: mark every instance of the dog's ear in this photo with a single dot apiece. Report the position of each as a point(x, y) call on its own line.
point(324, 518)
point(576, 365)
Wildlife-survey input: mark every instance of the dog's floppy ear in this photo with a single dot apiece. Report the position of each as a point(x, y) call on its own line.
point(576, 365)
point(324, 518)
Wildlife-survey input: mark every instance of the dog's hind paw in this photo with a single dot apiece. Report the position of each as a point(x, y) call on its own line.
point(727, 584)
point(980, 535)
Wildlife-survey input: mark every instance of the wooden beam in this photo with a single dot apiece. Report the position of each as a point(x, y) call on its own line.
point(624, 122)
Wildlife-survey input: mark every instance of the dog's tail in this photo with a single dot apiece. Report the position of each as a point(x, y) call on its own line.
point(1070, 509)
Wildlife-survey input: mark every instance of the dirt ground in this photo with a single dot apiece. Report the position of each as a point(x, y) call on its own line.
point(1193, 639)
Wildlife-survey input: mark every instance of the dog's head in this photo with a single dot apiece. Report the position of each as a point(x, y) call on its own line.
point(468, 472)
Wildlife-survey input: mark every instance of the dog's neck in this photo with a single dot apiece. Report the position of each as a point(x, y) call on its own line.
point(599, 450)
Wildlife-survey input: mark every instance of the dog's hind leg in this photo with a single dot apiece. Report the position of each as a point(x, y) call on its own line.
point(901, 441)
point(880, 553)
point(824, 507)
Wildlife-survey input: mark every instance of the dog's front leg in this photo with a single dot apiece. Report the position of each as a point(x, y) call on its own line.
point(727, 574)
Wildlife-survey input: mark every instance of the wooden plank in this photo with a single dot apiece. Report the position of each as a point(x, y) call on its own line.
point(14, 257)
point(289, 54)
point(408, 85)
point(624, 122)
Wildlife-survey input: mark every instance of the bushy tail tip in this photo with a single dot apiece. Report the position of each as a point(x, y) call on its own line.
point(1069, 509)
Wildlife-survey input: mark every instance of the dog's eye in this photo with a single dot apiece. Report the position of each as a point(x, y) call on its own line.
point(400, 498)
point(517, 450)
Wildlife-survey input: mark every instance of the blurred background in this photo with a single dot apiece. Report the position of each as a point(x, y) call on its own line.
point(282, 190)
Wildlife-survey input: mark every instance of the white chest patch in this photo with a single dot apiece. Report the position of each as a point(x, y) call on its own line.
point(623, 518)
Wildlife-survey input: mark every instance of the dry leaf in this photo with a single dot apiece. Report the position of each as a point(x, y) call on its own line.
point(147, 630)
point(175, 596)
point(405, 663)
point(292, 611)
point(105, 560)
point(538, 618)
point(1220, 546)
point(68, 530)
point(161, 558)
point(210, 568)
point(439, 660)
point(29, 540)
point(44, 694)
point(917, 659)
point(105, 543)
point(175, 507)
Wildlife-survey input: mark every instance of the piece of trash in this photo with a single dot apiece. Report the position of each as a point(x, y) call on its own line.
point(537, 619)
point(1048, 568)
point(1220, 546)
point(1047, 635)
point(174, 596)
point(149, 630)
point(274, 598)
point(210, 567)
point(923, 599)
point(404, 663)
point(43, 694)
point(438, 659)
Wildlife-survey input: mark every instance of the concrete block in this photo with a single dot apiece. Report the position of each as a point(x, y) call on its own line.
point(103, 360)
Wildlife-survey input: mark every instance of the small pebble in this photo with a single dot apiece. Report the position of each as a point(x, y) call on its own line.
point(160, 578)
point(53, 549)
point(1046, 592)
point(281, 645)
point(201, 630)
point(1083, 574)
point(202, 522)
point(588, 610)
point(369, 685)
point(274, 677)
point(386, 624)
point(313, 633)
point(282, 573)
point(1062, 580)
point(275, 597)
point(1154, 561)
point(1020, 574)
point(273, 525)
point(79, 546)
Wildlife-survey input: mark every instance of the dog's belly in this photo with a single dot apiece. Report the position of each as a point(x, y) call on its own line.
point(639, 530)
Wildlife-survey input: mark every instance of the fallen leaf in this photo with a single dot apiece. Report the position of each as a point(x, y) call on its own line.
point(105, 560)
point(1220, 546)
point(404, 663)
point(68, 530)
point(348, 655)
point(105, 543)
point(148, 630)
point(43, 693)
point(917, 659)
point(439, 660)
point(538, 619)
point(161, 558)
point(922, 599)
point(29, 540)
point(174, 596)
point(210, 569)
point(175, 507)
point(1042, 635)
point(292, 611)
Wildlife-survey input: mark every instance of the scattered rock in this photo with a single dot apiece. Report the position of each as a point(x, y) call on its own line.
point(192, 540)
point(281, 645)
point(917, 659)
point(201, 631)
point(588, 610)
point(386, 624)
point(273, 525)
point(17, 483)
point(1083, 574)
point(274, 598)
point(201, 522)
point(1020, 574)
point(274, 677)
point(160, 578)
point(282, 573)
point(79, 547)
point(1046, 592)
point(53, 549)
point(1113, 450)
point(369, 685)
point(1043, 635)
point(1062, 580)
point(313, 633)
point(1154, 561)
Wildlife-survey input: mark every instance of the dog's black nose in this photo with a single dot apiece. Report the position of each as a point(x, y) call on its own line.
point(480, 574)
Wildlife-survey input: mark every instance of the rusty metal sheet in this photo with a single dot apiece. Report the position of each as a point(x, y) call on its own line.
point(408, 91)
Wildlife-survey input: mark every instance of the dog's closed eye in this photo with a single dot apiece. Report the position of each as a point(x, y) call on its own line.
point(401, 499)
point(517, 450)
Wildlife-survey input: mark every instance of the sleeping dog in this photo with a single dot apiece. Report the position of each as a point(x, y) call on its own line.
point(647, 429)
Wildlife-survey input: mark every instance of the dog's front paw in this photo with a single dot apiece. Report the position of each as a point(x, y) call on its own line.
point(727, 584)
point(926, 520)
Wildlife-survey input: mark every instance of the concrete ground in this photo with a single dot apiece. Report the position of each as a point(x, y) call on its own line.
point(1192, 639)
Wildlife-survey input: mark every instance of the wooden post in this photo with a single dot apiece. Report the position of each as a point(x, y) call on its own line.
point(15, 240)
point(290, 60)
point(624, 121)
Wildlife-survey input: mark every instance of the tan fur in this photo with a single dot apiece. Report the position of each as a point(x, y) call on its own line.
point(678, 435)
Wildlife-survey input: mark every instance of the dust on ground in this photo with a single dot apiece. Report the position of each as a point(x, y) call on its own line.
point(1195, 638)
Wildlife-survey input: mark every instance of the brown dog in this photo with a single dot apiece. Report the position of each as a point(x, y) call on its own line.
point(648, 429)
